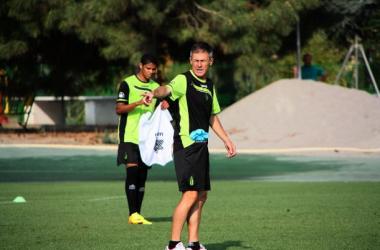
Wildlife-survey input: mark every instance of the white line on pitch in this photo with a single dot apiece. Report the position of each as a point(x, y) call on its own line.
point(107, 198)
point(6, 202)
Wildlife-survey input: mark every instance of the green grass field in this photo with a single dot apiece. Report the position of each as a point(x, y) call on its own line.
point(76, 201)
point(237, 215)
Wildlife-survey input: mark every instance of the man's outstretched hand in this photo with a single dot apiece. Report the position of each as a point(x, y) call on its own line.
point(147, 98)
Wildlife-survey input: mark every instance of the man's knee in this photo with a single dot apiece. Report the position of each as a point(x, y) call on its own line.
point(195, 196)
point(190, 196)
point(202, 196)
point(128, 165)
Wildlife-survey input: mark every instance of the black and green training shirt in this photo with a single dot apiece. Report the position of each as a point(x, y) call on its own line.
point(130, 91)
point(197, 101)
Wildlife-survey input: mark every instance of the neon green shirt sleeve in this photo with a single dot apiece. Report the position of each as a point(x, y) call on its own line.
point(177, 87)
point(215, 104)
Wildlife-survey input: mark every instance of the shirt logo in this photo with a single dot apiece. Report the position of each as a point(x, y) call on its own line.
point(202, 90)
point(158, 145)
point(121, 95)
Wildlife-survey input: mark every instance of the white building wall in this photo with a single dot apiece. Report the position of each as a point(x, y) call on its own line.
point(99, 110)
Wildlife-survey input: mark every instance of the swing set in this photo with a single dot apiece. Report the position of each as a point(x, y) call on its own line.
point(13, 103)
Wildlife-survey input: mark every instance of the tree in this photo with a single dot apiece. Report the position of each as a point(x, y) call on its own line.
point(68, 46)
point(358, 19)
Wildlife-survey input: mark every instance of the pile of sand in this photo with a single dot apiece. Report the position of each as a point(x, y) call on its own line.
point(291, 114)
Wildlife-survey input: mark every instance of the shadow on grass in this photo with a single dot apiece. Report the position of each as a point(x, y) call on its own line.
point(227, 244)
point(29, 164)
point(161, 219)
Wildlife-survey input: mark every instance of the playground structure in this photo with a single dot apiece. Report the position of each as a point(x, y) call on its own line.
point(356, 48)
point(13, 103)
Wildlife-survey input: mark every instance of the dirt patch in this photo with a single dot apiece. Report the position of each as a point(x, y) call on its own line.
point(291, 113)
point(73, 138)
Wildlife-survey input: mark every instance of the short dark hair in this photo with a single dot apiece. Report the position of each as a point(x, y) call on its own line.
point(149, 58)
point(203, 46)
point(307, 55)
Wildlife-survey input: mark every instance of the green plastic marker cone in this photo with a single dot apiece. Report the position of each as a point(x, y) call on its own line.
point(19, 199)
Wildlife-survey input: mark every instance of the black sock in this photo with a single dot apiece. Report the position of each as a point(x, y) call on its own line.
point(194, 245)
point(143, 173)
point(131, 188)
point(172, 244)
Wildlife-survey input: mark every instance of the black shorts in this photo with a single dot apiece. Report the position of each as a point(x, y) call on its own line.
point(129, 153)
point(192, 167)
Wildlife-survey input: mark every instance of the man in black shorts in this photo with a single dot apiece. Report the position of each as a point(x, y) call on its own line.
point(130, 108)
point(196, 108)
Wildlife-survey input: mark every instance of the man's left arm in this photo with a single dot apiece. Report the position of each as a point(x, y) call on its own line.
point(322, 74)
point(324, 77)
point(218, 129)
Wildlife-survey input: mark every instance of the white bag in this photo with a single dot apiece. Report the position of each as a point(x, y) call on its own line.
point(156, 137)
